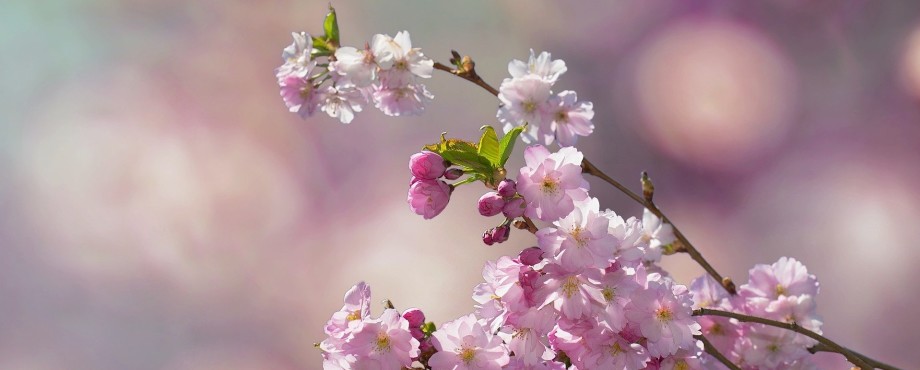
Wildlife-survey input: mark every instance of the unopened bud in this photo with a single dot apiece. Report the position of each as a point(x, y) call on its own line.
point(507, 188)
point(491, 204)
point(501, 233)
point(648, 189)
point(427, 165)
point(453, 174)
point(531, 256)
point(487, 237)
point(415, 317)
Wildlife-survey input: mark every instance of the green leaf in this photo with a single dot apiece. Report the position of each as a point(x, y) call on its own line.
point(506, 146)
point(331, 27)
point(428, 328)
point(321, 48)
point(462, 153)
point(488, 145)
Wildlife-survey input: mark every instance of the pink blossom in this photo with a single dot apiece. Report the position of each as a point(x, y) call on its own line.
point(383, 343)
point(296, 56)
point(357, 308)
point(616, 286)
point(655, 235)
point(542, 66)
point(525, 334)
point(786, 277)
point(428, 197)
point(519, 364)
point(342, 101)
point(531, 256)
point(402, 100)
point(569, 119)
point(514, 208)
point(466, 343)
point(569, 292)
point(414, 316)
point(551, 183)
point(400, 63)
point(525, 100)
point(769, 347)
point(356, 66)
point(427, 165)
point(663, 312)
point(684, 359)
point(298, 92)
point(607, 350)
point(491, 204)
point(580, 239)
point(628, 234)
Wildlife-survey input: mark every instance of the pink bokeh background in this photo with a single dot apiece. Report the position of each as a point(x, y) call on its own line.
point(160, 208)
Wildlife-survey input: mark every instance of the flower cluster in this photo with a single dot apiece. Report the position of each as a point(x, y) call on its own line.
point(385, 72)
point(783, 291)
point(504, 200)
point(527, 97)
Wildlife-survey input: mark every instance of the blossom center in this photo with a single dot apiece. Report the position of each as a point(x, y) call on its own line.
point(716, 329)
point(562, 117)
point(570, 286)
point(549, 185)
point(467, 354)
point(609, 293)
point(383, 342)
point(681, 365)
point(664, 314)
point(780, 289)
point(615, 349)
point(529, 106)
point(354, 315)
point(306, 91)
point(401, 65)
point(578, 234)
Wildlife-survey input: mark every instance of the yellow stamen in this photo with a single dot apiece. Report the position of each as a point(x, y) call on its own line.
point(570, 286)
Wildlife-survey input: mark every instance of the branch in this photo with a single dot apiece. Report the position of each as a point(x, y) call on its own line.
point(466, 69)
point(827, 345)
point(710, 349)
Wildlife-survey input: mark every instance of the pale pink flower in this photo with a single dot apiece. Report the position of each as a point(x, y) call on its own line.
point(570, 341)
point(607, 350)
point(428, 197)
point(769, 347)
point(356, 66)
point(298, 92)
point(551, 183)
point(525, 333)
point(655, 235)
point(542, 66)
point(427, 165)
point(402, 100)
point(786, 277)
point(519, 364)
point(616, 287)
point(296, 56)
point(342, 101)
point(684, 359)
point(383, 343)
point(502, 291)
point(569, 119)
point(570, 293)
point(400, 63)
point(663, 313)
point(628, 234)
point(466, 343)
point(525, 100)
point(801, 310)
point(580, 239)
point(357, 308)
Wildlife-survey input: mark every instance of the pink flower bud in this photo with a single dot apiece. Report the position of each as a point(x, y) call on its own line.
point(415, 317)
point(487, 237)
point(507, 188)
point(514, 208)
point(531, 256)
point(416, 332)
point(426, 165)
point(491, 204)
point(453, 174)
point(500, 234)
point(428, 197)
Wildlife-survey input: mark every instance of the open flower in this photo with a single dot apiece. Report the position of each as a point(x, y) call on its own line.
point(551, 183)
point(466, 343)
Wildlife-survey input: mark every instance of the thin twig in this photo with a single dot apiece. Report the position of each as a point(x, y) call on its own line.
point(710, 349)
point(820, 347)
point(854, 358)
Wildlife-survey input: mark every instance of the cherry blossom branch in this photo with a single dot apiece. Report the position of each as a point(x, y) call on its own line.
point(466, 69)
point(711, 350)
point(826, 344)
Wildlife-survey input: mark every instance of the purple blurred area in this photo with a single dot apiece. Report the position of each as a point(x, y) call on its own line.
point(161, 209)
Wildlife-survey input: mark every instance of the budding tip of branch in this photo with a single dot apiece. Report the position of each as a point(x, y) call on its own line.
point(729, 285)
point(648, 189)
point(388, 304)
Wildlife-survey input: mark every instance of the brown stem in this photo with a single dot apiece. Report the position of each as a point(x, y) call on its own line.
point(874, 363)
point(468, 74)
point(685, 245)
point(710, 349)
point(856, 359)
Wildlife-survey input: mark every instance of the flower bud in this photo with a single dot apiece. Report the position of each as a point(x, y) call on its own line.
point(514, 208)
point(491, 204)
point(487, 237)
point(415, 317)
point(427, 165)
point(531, 256)
point(428, 197)
point(507, 188)
point(501, 233)
point(416, 332)
point(453, 174)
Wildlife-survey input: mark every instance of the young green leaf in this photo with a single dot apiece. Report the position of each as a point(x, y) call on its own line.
point(488, 145)
point(506, 146)
point(331, 27)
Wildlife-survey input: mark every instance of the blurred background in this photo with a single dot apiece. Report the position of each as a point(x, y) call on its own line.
point(161, 209)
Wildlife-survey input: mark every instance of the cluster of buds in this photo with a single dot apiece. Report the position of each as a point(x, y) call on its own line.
point(504, 200)
point(428, 194)
point(319, 74)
